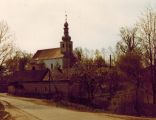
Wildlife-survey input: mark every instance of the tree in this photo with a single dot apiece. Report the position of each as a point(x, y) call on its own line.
point(129, 41)
point(6, 46)
point(147, 31)
point(130, 59)
point(84, 56)
point(79, 54)
point(99, 60)
point(18, 61)
point(131, 65)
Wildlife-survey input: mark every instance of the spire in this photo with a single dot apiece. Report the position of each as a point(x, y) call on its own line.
point(66, 36)
point(65, 16)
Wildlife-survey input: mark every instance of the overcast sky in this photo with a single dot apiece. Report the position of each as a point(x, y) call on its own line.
point(93, 24)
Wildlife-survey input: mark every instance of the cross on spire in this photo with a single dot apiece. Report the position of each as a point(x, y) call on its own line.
point(65, 16)
point(66, 36)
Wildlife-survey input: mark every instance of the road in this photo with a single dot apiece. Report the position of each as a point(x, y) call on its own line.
point(36, 109)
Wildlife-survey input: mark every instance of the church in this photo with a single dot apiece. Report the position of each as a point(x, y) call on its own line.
point(40, 82)
point(61, 57)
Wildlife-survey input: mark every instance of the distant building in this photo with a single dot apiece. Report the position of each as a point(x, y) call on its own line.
point(61, 57)
point(38, 79)
point(37, 83)
point(22, 82)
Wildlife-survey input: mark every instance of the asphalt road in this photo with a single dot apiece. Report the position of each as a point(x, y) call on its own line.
point(36, 109)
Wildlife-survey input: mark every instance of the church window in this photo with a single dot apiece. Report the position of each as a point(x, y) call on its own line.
point(63, 45)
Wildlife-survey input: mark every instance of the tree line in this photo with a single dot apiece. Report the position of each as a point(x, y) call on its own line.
point(133, 64)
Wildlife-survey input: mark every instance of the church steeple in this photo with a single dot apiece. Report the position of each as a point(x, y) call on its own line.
point(66, 36)
point(66, 46)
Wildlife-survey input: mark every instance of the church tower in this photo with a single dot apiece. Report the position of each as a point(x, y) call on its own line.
point(66, 46)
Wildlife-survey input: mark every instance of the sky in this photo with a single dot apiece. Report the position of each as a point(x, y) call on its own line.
point(93, 24)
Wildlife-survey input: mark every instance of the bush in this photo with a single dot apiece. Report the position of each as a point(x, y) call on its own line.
point(2, 107)
point(5, 115)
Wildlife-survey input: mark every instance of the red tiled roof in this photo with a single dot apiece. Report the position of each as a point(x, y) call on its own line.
point(48, 54)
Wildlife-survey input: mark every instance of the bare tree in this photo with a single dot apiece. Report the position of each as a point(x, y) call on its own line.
point(129, 40)
point(18, 61)
point(148, 35)
point(6, 46)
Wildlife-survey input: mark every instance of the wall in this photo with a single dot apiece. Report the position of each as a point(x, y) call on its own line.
point(42, 88)
point(53, 62)
point(3, 87)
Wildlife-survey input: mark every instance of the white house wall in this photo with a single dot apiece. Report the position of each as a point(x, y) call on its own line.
point(53, 62)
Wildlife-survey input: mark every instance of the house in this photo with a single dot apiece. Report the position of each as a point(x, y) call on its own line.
point(19, 78)
point(37, 83)
point(61, 57)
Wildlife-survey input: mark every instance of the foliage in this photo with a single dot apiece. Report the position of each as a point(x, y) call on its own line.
point(99, 60)
point(130, 41)
point(90, 57)
point(130, 63)
point(97, 82)
point(18, 61)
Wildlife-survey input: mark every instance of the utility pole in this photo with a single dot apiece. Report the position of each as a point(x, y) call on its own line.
point(49, 83)
point(110, 61)
point(154, 68)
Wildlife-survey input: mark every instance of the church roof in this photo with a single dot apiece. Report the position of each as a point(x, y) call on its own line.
point(48, 54)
